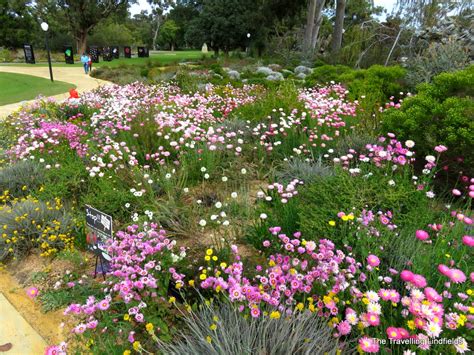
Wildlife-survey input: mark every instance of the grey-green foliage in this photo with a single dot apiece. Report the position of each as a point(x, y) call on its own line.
point(23, 173)
point(301, 333)
point(436, 59)
point(238, 125)
point(308, 171)
point(19, 217)
point(355, 140)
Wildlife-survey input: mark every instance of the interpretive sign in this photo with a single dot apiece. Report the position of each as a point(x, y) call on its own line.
point(94, 53)
point(143, 52)
point(29, 54)
point(68, 55)
point(107, 54)
point(100, 230)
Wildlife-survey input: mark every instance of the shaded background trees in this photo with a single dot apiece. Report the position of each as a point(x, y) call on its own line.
point(351, 32)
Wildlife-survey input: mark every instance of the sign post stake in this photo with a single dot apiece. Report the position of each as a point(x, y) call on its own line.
point(100, 226)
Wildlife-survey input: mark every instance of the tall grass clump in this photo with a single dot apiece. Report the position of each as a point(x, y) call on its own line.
point(221, 329)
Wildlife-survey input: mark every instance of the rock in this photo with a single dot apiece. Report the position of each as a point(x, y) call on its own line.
point(245, 81)
point(275, 76)
point(234, 74)
point(302, 69)
point(264, 70)
point(301, 76)
point(275, 67)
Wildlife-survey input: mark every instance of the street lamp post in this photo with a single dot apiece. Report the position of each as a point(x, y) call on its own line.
point(45, 27)
point(248, 43)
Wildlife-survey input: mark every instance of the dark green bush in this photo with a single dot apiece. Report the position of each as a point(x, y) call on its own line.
point(441, 113)
point(325, 73)
point(378, 82)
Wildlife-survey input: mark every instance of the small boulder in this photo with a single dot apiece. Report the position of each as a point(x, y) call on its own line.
point(275, 67)
point(264, 70)
point(302, 69)
point(234, 74)
point(275, 76)
point(301, 76)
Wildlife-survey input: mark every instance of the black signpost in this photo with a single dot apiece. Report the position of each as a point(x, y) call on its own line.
point(116, 52)
point(68, 55)
point(29, 54)
point(100, 230)
point(107, 54)
point(143, 52)
point(127, 52)
point(94, 53)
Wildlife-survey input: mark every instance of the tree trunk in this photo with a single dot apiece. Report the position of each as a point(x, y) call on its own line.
point(172, 47)
point(82, 42)
point(317, 23)
point(309, 24)
point(338, 26)
point(157, 30)
point(393, 46)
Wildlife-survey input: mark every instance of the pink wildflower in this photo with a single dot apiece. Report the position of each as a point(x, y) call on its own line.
point(422, 235)
point(373, 260)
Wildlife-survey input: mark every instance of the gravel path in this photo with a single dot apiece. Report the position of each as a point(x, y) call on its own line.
point(74, 75)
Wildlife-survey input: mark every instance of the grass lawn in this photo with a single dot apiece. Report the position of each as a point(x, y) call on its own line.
point(163, 57)
point(20, 87)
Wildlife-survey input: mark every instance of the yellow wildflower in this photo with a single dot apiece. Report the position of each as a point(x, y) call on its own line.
point(149, 327)
point(136, 345)
point(275, 315)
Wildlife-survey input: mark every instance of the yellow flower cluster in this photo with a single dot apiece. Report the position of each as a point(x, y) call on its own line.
point(27, 223)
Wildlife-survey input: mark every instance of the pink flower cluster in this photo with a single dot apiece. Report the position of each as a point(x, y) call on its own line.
point(49, 135)
point(286, 192)
point(305, 267)
point(139, 265)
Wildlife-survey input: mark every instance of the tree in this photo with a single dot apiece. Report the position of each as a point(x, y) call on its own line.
point(338, 26)
point(111, 32)
point(182, 14)
point(168, 32)
point(141, 26)
point(159, 7)
point(16, 23)
point(224, 24)
point(84, 15)
point(427, 12)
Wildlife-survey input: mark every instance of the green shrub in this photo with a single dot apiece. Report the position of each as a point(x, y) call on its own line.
point(441, 113)
point(325, 73)
point(320, 201)
point(378, 81)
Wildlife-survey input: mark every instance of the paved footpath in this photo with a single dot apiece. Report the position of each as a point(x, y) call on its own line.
point(17, 331)
point(22, 322)
point(73, 75)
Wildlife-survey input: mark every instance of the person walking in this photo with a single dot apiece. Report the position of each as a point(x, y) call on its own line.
point(85, 62)
point(90, 63)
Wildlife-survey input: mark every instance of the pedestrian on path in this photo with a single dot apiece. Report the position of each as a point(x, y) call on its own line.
point(85, 62)
point(90, 63)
